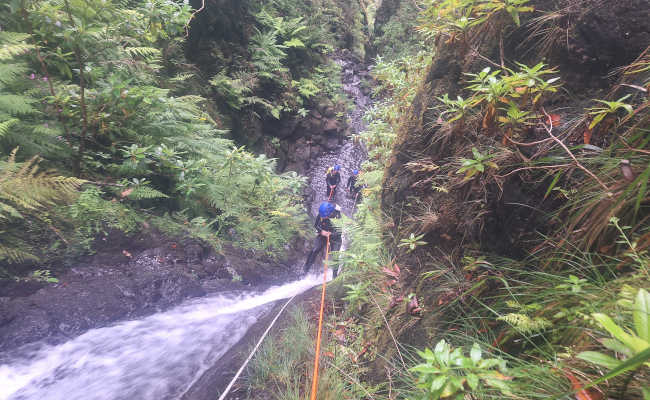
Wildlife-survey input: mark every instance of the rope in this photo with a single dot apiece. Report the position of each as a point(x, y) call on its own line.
point(259, 342)
point(314, 385)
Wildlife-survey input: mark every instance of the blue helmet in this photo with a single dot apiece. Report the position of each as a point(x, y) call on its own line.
point(355, 172)
point(337, 167)
point(326, 209)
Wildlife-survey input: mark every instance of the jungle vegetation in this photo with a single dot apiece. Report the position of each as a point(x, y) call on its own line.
point(501, 247)
point(449, 290)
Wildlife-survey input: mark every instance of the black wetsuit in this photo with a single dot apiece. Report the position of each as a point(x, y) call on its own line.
point(332, 178)
point(355, 191)
point(324, 224)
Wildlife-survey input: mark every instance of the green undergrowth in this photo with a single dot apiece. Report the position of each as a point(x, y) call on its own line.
point(283, 366)
point(288, 70)
point(103, 127)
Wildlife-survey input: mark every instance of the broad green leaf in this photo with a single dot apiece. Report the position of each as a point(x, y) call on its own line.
point(596, 120)
point(641, 314)
point(644, 176)
point(424, 368)
point(275, 112)
point(599, 359)
point(634, 343)
point(627, 365)
point(553, 183)
point(617, 346)
point(438, 383)
point(472, 381)
point(456, 383)
point(497, 383)
point(475, 353)
point(456, 355)
point(488, 363)
point(440, 348)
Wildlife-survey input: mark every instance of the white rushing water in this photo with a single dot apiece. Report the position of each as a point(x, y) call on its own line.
point(157, 357)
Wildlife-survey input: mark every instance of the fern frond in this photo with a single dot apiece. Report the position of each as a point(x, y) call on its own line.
point(50, 130)
point(182, 77)
point(146, 192)
point(7, 37)
point(524, 323)
point(13, 44)
point(15, 253)
point(14, 104)
point(147, 53)
point(5, 125)
point(25, 188)
point(10, 72)
point(7, 212)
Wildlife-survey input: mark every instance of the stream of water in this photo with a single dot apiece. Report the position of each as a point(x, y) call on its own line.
point(157, 357)
point(161, 356)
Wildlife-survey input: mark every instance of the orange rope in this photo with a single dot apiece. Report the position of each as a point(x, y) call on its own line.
point(314, 384)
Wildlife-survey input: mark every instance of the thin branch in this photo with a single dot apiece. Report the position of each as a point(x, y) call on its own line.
point(549, 130)
point(82, 85)
point(187, 24)
point(503, 64)
point(527, 168)
point(389, 330)
point(41, 60)
point(351, 378)
point(528, 144)
point(475, 51)
point(638, 150)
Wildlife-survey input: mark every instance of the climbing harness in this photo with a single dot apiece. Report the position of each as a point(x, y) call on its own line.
point(314, 384)
point(250, 356)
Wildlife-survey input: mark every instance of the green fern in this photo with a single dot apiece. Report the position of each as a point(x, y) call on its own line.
point(13, 44)
point(26, 191)
point(524, 323)
point(145, 192)
point(10, 72)
point(182, 77)
point(5, 125)
point(25, 187)
point(14, 104)
point(14, 252)
point(147, 53)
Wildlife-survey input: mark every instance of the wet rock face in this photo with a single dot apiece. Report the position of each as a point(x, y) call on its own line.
point(112, 286)
point(593, 38)
point(323, 130)
point(219, 31)
point(609, 36)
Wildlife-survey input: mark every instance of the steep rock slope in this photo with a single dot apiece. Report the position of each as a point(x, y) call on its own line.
point(507, 211)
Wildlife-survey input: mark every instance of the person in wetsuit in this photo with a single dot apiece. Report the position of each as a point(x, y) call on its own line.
point(325, 229)
point(353, 189)
point(332, 180)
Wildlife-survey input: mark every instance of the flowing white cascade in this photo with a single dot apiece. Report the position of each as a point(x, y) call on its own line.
point(157, 357)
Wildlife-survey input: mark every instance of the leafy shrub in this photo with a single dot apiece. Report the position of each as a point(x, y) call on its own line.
point(92, 216)
point(26, 196)
point(448, 373)
point(452, 17)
